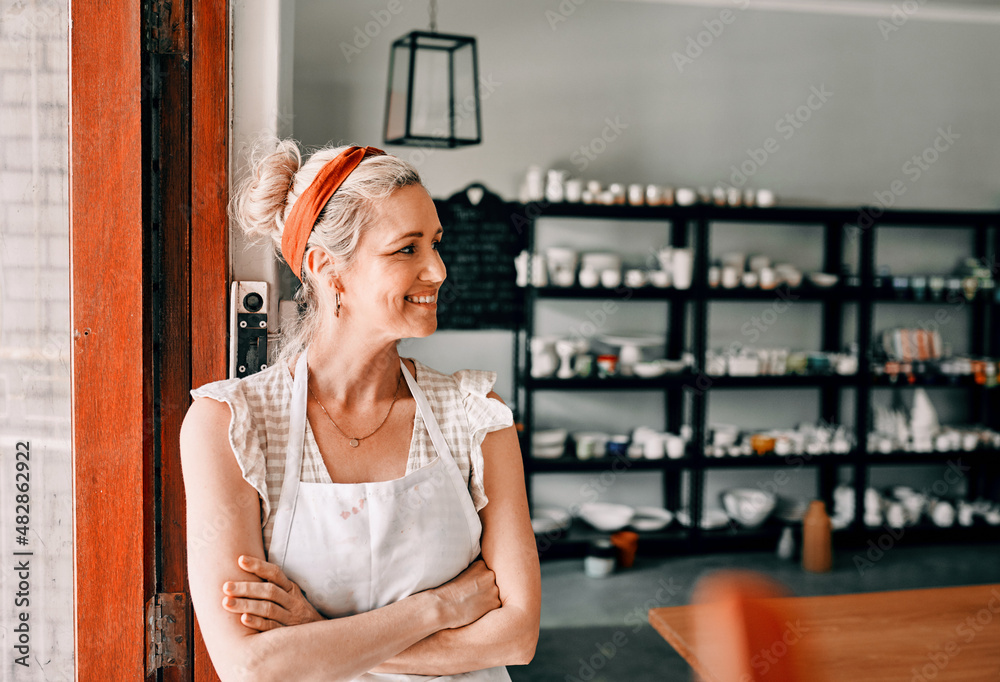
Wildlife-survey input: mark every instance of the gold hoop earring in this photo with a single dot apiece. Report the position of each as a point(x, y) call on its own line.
point(336, 310)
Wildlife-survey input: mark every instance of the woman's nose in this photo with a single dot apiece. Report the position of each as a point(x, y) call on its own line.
point(434, 269)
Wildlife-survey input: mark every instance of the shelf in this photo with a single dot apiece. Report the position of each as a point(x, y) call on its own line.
point(614, 464)
point(923, 533)
point(610, 383)
point(688, 329)
point(931, 381)
point(779, 381)
point(905, 457)
point(892, 297)
point(778, 214)
point(575, 541)
point(624, 293)
point(795, 461)
point(803, 293)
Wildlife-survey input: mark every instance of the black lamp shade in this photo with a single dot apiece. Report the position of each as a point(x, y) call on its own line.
point(433, 96)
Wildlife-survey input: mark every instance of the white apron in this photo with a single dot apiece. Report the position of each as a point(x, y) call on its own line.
point(355, 547)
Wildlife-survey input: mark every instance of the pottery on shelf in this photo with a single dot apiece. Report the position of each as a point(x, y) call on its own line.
point(543, 357)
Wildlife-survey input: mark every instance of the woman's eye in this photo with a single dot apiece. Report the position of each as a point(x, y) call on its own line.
point(436, 245)
point(407, 249)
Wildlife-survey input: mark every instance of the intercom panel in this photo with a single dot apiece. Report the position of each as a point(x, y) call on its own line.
point(248, 312)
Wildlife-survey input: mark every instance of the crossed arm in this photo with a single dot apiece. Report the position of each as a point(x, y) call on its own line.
point(484, 617)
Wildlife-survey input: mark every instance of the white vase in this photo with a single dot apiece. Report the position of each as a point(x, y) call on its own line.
point(543, 358)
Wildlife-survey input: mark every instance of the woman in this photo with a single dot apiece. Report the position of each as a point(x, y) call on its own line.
point(338, 501)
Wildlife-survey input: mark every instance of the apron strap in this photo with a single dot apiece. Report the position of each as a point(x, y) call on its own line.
point(293, 463)
point(444, 453)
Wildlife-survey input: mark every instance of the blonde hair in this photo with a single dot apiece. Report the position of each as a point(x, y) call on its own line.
point(262, 201)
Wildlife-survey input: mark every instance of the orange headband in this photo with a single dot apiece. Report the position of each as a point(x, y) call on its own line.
point(306, 209)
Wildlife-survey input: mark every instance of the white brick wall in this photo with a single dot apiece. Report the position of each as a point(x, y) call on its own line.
point(35, 329)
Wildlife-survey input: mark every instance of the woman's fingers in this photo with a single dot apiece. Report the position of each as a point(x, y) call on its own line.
point(266, 571)
point(267, 610)
point(257, 623)
point(261, 591)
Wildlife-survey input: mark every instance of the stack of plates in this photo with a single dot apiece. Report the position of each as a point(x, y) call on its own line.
point(550, 520)
point(549, 443)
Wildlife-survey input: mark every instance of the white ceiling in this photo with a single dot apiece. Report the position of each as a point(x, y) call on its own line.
point(974, 11)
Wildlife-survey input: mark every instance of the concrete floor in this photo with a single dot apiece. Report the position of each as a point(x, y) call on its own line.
point(581, 614)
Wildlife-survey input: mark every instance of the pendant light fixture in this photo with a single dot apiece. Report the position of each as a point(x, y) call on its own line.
point(433, 94)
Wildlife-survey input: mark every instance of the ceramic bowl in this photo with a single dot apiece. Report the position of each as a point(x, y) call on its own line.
point(549, 520)
point(605, 516)
point(549, 438)
point(822, 279)
point(748, 506)
point(651, 518)
point(648, 370)
point(548, 451)
point(789, 274)
point(711, 519)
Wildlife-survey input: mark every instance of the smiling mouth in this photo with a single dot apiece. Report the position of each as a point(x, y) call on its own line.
point(421, 299)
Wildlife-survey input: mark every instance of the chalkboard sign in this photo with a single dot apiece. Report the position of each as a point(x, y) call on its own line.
point(478, 248)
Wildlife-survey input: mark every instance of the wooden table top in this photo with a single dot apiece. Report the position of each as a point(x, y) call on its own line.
point(944, 634)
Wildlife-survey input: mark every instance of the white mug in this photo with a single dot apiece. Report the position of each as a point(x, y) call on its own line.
point(682, 268)
point(730, 278)
point(539, 276)
point(589, 277)
point(674, 445)
point(574, 190)
point(635, 278)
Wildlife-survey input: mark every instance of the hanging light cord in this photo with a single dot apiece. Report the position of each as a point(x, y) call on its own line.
point(433, 12)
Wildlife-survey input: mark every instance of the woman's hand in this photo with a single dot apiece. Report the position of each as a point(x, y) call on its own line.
point(469, 596)
point(270, 604)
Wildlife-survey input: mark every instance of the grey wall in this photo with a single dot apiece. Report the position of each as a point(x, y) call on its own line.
point(555, 87)
point(556, 77)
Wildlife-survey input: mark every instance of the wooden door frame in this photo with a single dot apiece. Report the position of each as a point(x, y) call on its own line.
point(115, 413)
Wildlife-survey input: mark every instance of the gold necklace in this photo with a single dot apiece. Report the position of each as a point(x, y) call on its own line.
point(355, 441)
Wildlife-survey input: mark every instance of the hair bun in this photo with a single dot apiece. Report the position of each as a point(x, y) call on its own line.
point(261, 200)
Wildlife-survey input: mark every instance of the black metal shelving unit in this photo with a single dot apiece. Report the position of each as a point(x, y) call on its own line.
point(689, 392)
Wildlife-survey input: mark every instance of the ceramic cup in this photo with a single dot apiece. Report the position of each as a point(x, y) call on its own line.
point(768, 278)
point(682, 267)
point(611, 278)
point(606, 365)
point(730, 278)
point(636, 195)
point(674, 446)
point(618, 446)
point(659, 278)
point(635, 278)
point(654, 195)
point(589, 277)
point(539, 276)
point(574, 190)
